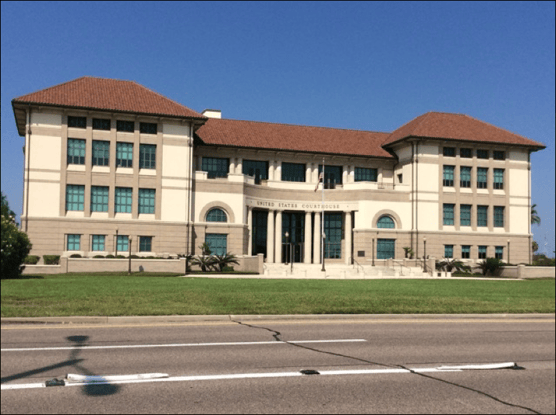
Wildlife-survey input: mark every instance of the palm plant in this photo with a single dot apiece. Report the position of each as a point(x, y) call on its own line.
point(206, 262)
point(535, 218)
point(225, 260)
point(450, 264)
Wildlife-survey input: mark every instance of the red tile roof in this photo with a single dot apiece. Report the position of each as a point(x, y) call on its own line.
point(457, 127)
point(108, 94)
point(263, 135)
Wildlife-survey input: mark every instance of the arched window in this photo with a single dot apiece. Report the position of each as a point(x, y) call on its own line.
point(216, 215)
point(385, 222)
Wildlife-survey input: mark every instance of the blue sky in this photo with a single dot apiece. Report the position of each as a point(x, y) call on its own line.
point(368, 66)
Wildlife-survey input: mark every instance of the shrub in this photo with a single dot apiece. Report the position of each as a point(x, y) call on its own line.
point(15, 245)
point(135, 257)
point(31, 259)
point(227, 269)
point(109, 256)
point(452, 264)
point(75, 256)
point(51, 259)
point(98, 256)
point(120, 256)
point(490, 265)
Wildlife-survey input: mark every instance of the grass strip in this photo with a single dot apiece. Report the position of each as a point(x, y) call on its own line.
point(123, 295)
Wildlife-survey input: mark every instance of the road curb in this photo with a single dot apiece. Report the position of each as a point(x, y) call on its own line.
point(134, 320)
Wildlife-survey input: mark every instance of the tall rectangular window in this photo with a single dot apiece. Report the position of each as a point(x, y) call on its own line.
point(465, 176)
point(498, 178)
point(125, 126)
point(466, 251)
point(148, 128)
point(75, 197)
point(76, 151)
point(465, 215)
point(448, 251)
point(332, 176)
point(101, 124)
point(499, 155)
point(123, 199)
point(293, 172)
point(218, 243)
point(499, 252)
point(98, 242)
point(147, 156)
point(449, 151)
point(124, 154)
point(101, 153)
point(99, 198)
point(74, 242)
point(482, 174)
point(122, 243)
point(77, 122)
point(448, 214)
point(145, 243)
point(363, 174)
point(146, 200)
point(482, 154)
point(466, 153)
point(482, 252)
point(482, 215)
point(385, 248)
point(448, 176)
point(255, 168)
point(499, 216)
point(216, 167)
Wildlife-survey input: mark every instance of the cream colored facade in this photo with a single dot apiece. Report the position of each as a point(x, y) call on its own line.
point(409, 189)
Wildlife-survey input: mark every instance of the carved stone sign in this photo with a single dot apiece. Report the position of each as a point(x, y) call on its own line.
point(303, 206)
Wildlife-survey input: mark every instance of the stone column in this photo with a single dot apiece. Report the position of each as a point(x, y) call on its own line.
point(278, 238)
point(348, 237)
point(317, 239)
point(249, 230)
point(270, 237)
point(308, 237)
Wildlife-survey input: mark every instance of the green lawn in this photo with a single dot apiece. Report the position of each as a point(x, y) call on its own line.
point(115, 295)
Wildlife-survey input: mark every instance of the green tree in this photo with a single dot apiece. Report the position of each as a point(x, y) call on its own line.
point(15, 244)
point(535, 246)
point(535, 218)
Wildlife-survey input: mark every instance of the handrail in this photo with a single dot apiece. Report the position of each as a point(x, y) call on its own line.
point(357, 264)
point(400, 263)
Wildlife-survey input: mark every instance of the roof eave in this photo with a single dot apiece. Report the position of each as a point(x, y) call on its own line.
point(534, 147)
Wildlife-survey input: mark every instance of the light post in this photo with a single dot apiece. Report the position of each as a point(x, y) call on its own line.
point(129, 255)
point(373, 251)
point(425, 252)
point(116, 254)
point(323, 241)
point(508, 251)
point(287, 235)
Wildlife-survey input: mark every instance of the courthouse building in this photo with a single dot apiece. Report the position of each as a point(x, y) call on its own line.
point(110, 161)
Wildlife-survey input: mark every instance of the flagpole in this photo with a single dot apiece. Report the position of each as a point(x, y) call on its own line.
point(322, 236)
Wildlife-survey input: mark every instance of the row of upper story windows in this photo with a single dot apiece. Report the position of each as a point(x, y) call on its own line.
point(465, 177)
point(98, 243)
point(291, 172)
point(468, 153)
point(105, 124)
point(101, 153)
point(448, 215)
point(75, 199)
point(482, 251)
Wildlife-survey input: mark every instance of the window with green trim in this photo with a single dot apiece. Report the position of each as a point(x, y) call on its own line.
point(123, 200)
point(449, 151)
point(385, 222)
point(448, 251)
point(448, 214)
point(146, 200)
point(101, 124)
point(482, 252)
point(145, 243)
point(385, 248)
point(99, 198)
point(122, 243)
point(147, 156)
point(482, 174)
point(448, 176)
point(363, 174)
point(77, 122)
point(482, 154)
point(482, 215)
point(332, 176)
point(74, 242)
point(498, 216)
point(75, 197)
point(125, 126)
point(465, 176)
point(293, 172)
point(101, 153)
point(216, 167)
point(98, 242)
point(499, 252)
point(465, 215)
point(124, 154)
point(148, 128)
point(216, 215)
point(499, 155)
point(466, 153)
point(255, 168)
point(218, 243)
point(466, 251)
point(498, 178)
point(76, 151)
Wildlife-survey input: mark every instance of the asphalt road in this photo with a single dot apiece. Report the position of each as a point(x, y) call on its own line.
point(254, 366)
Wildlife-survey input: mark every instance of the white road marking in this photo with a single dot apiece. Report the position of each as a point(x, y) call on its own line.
point(506, 365)
point(253, 376)
point(136, 346)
